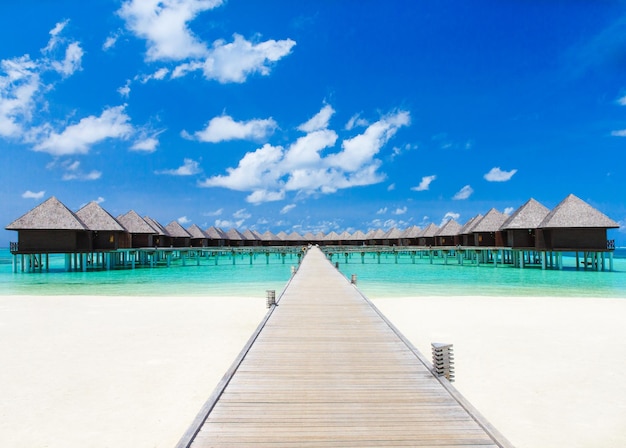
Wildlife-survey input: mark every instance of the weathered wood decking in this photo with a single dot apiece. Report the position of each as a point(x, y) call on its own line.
point(326, 369)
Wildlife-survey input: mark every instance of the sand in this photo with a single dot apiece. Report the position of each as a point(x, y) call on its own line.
point(134, 371)
point(546, 372)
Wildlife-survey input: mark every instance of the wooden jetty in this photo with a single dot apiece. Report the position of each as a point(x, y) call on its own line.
point(325, 368)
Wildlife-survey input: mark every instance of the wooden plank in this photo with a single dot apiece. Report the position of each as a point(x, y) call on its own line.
point(325, 368)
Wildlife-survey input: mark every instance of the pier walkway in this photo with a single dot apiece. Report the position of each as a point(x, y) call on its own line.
point(325, 368)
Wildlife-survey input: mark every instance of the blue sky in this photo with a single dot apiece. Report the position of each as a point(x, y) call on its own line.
point(312, 115)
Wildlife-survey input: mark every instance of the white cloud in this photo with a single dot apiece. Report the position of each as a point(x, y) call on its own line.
point(78, 138)
point(382, 211)
point(391, 187)
point(270, 172)
point(242, 213)
point(497, 175)
point(110, 42)
point(400, 211)
point(188, 168)
point(233, 62)
point(148, 144)
point(319, 121)
point(356, 121)
point(72, 61)
point(622, 101)
point(463, 193)
point(100, 200)
point(183, 220)
point(228, 224)
point(217, 212)
point(224, 128)
point(54, 36)
point(449, 216)
point(509, 210)
point(287, 208)
point(620, 133)
point(33, 195)
point(425, 183)
point(124, 91)
point(78, 175)
point(159, 75)
point(18, 89)
point(164, 26)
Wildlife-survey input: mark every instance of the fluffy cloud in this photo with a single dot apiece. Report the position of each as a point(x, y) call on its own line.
point(225, 128)
point(183, 220)
point(400, 211)
point(497, 175)
point(147, 144)
point(425, 183)
point(620, 133)
point(164, 25)
point(78, 138)
point(33, 195)
point(449, 216)
point(234, 61)
point(463, 193)
point(287, 208)
point(18, 88)
point(319, 121)
point(72, 61)
point(188, 168)
point(382, 211)
point(356, 121)
point(272, 171)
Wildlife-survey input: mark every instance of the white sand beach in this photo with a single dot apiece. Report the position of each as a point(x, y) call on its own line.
point(134, 371)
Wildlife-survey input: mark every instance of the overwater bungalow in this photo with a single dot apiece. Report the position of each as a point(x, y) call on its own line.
point(427, 236)
point(50, 228)
point(466, 237)
point(250, 239)
point(574, 225)
point(234, 238)
point(410, 236)
point(106, 233)
point(162, 238)
point(520, 229)
point(269, 239)
point(198, 237)
point(179, 237)
point(141, 233)
point(487, 231)
point(358, 238)
point(216, 237)
point(448, 234)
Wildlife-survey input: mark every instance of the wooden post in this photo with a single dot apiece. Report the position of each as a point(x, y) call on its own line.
point(443, 360)
point(353, 279)
point(611, 261)
point(271, 298)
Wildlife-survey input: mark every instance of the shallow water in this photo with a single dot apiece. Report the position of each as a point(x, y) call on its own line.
point(407, 277)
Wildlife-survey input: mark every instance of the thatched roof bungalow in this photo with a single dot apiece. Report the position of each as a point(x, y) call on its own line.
point(393, 237)
point(269, 239)
point(141, 233)
point(427, 236)
point(487, 231)
point(448, 234)
point(179, 237)
point(250, 238)
point(162, 238)
point(106, 233)
point(234, 238)
point(358, 238)
point(410, 236)
point(198, 237)
point(520, 229)
point(215, 237)
point(574, 225)
point(50, 228)
point(466, 238)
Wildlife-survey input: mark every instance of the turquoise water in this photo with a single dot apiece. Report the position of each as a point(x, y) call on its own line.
point(386, 279)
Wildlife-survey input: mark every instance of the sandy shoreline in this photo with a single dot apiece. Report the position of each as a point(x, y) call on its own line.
point(133, 371)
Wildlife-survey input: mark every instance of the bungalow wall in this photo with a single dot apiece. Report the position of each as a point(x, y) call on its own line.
point(53, 241)
point(485, 239)
point(198, 242)
point(521, 238)
point(107, 240)
point(583, 238)
point(445, 240)
point(142, 240)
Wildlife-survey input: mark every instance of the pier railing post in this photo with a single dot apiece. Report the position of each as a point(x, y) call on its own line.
point(271, 298)
point(353, 279)
point(443, 360)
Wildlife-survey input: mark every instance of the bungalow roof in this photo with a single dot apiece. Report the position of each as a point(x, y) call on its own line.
point(49, 215)
point(451, 228)
point(174, 229)
point(573, 212)
point(282, 235)
point(491, 222)
point(358, 236)
point(234, 235)
point(269, 236)
point(250, 236)
point(133, 223)
point(156, 225)
point(412, 232)
point(98, 219)
point(345, 235)
point(196, 232)
point(309, 236)
point(294, 236)
point(429, 231)
point(332, 236)
point(528, 216)
point(468, 227)
point(215, 233)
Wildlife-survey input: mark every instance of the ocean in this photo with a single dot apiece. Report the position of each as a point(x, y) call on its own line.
point(388, 278)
